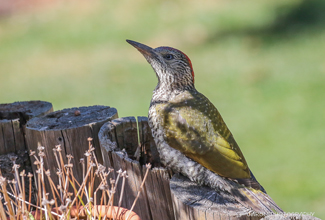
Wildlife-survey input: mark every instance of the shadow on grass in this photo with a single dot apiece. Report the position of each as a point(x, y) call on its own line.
point(308, 14)
point(290, 21)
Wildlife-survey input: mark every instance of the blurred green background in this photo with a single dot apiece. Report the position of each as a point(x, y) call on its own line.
point(262, 63)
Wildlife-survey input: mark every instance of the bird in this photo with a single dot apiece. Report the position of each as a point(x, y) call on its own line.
point(191, 135)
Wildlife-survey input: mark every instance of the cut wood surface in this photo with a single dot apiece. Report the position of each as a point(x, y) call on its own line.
point(13, 117)
point(69, 128)
point(165, 197)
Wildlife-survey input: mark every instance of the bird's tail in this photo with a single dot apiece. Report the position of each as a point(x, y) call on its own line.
point(257, 200)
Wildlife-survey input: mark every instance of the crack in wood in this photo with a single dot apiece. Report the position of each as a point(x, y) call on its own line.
point(13, 134)
point(63, 140)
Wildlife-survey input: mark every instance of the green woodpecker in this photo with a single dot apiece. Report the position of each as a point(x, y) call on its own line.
point(190, 134)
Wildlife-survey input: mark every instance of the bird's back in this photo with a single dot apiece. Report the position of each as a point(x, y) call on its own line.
point(190, 123)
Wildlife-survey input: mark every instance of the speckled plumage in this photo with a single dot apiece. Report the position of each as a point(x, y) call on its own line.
point(190, 134)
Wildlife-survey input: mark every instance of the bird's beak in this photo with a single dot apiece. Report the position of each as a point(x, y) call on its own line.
point(144, 49)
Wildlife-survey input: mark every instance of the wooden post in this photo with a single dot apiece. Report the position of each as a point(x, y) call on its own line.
point(175, 198)
point(192, 201)
point(69, 128)
point(13, 149)
point(13, 118)
point(121, 150)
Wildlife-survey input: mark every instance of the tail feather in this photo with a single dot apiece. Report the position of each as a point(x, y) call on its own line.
point(254, 195)
point(259, 201)
point(270, 202)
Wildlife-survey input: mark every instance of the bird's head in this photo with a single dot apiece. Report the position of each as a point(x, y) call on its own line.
point(173, 68)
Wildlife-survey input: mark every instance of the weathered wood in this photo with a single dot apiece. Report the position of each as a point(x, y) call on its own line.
point(69, 128)
point(149, 149)
point(157, 183)
point(158, 192)
point(192, 201)
point(175, 198)
point(119, 141)
point(13, 117)
point(120, 149)
point(13, 149)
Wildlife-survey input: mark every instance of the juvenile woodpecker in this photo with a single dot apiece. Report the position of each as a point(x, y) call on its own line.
point(191, 136)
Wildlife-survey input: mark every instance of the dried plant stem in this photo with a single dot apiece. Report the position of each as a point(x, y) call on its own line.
point(96, 162)
point(61, 161)
point(30, 190)
point(82, 185)
point(12, 187)
point(56, 156)
point(124, 176)
point(39, 199)
point(82, 161)
point(101, 185)
point(7, 199)
point(59, 174)
point(63, 171)
point(16, 166)
point(38, 207)
point(43, 184)
point(24, 207)
point(91, 191)
point(103, 196)
point(148, 166)
point(54, 191)
point(2, 210)
point(112, 192)
point(73, 182)
point(110, 203)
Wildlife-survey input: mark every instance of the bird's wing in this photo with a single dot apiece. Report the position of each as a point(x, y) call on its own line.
point(194, 126)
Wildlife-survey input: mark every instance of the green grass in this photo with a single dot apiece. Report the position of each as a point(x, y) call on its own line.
point(268, 85)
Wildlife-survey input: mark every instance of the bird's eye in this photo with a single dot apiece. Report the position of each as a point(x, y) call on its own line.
point(169, 56)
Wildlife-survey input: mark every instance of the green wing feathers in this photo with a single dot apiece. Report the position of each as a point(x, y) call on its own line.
point(194, 126)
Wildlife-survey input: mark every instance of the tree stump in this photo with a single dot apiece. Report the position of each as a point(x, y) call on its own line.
point(121, 149)
point(175, 198)
point(69, 128)
point(13, 117)
point(13, 149)
point(192, 201)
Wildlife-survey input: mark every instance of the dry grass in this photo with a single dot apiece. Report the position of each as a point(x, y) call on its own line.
point(69, 195)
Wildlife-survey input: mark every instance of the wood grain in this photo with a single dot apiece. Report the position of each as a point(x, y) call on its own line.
point(119, 144)
point(13, 118)
point(71, 131)
point(13, 148)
